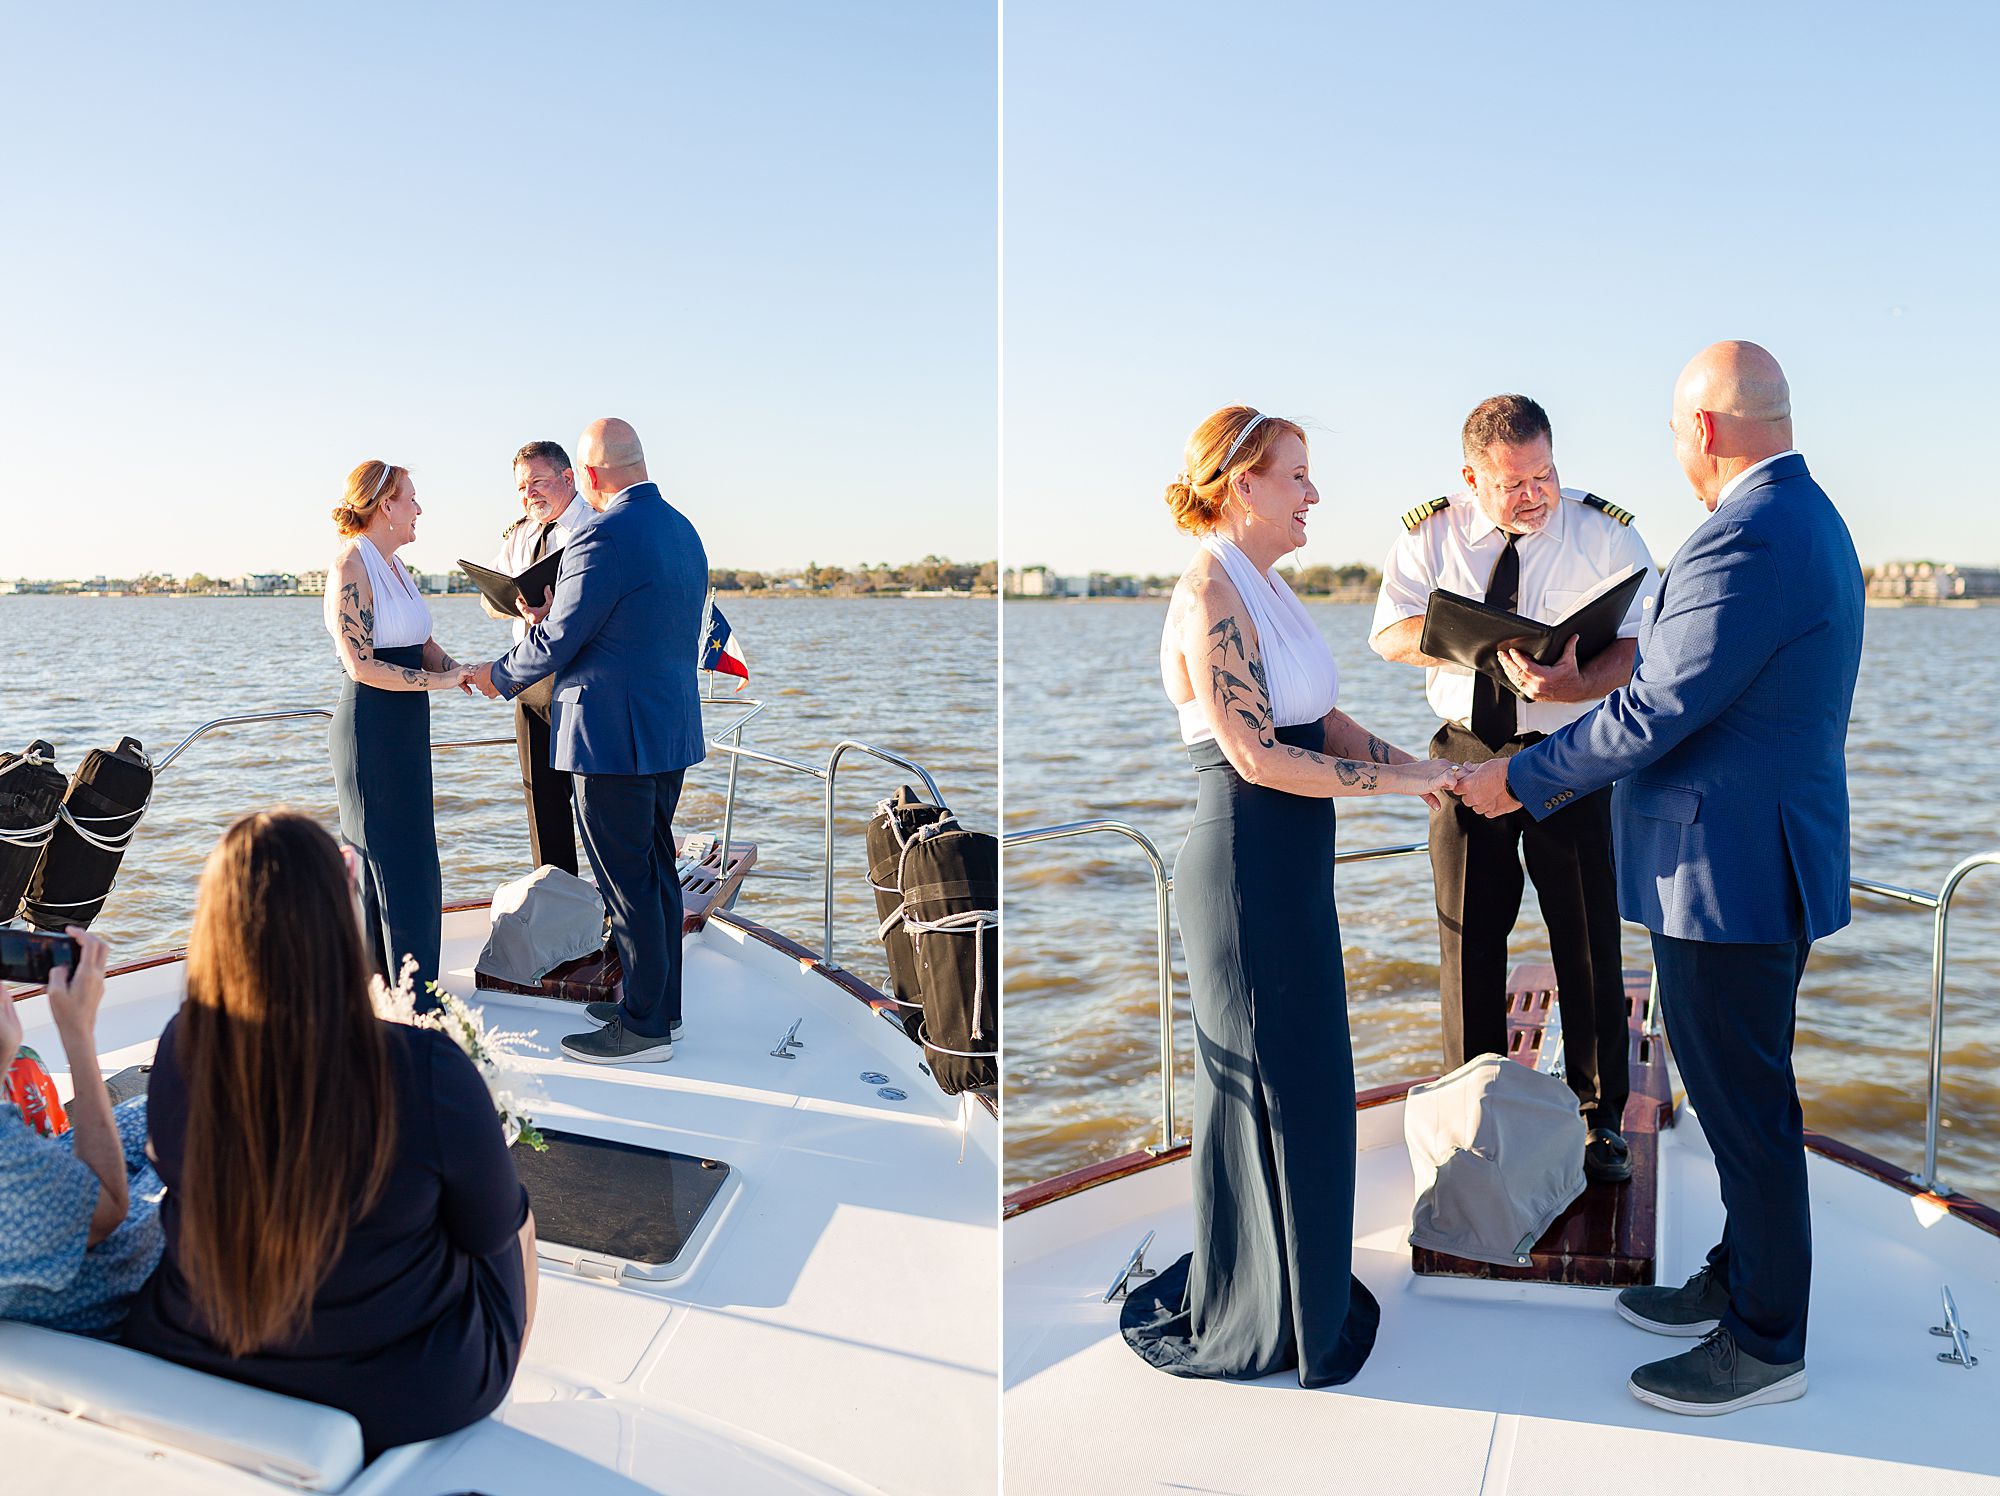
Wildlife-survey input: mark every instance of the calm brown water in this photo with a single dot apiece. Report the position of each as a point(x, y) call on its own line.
point(1088, 733)
point(916, 676)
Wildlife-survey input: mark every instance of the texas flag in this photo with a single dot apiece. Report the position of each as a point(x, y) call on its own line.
point(720, 652)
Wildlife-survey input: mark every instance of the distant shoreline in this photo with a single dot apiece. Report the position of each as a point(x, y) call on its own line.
point(787, 594)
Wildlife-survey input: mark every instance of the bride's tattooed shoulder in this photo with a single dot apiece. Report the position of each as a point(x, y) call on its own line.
point(1249, 700)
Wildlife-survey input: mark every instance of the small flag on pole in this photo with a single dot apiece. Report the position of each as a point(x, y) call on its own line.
point(720, 653)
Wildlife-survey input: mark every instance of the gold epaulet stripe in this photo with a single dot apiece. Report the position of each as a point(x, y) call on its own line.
point(1414, 517)
point(1623, 516)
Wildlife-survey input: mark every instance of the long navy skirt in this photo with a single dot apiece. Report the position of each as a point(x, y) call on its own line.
point(1269, 1285)
point(381, 746)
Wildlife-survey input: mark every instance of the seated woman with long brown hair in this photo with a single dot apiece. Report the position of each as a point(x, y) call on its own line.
point(343, 1222)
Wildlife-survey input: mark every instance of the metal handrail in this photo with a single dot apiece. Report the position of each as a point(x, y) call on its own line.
point(829, 775)
point(1939, 903)
point(1161, 886)
point(1940, 936)
point(732, 749)
point(832, 775)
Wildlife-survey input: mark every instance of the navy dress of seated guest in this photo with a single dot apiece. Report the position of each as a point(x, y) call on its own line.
point(417, 1330)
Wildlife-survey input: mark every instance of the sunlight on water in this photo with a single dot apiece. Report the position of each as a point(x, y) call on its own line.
point(915, 676)
point(1099, 739)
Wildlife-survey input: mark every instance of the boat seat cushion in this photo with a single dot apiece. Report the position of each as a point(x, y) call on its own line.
point(283, 1439)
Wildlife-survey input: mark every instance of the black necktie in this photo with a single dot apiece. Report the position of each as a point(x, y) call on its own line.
point(1493, 720)
point(542, 540)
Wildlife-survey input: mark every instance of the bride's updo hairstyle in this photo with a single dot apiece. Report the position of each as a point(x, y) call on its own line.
point(367, 487)
point(1234, 440)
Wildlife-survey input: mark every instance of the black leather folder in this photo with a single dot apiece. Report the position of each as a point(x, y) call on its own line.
point(1472, 633)
point(505, 592)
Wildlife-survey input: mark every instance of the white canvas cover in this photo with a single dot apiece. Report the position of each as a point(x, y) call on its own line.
point(1497, 1150)
point(541, 921)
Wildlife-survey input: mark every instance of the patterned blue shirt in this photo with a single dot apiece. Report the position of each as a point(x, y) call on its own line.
point(47, 1195)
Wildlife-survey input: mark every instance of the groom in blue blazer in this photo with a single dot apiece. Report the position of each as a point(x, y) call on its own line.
point(1730, 816)
point(620, 636)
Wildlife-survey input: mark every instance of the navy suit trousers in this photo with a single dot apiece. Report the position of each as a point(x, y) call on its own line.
point(1730, 1011)
point(628, 830)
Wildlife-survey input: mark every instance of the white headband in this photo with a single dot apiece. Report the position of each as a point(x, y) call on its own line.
point(383, 481)
point(1237, 445)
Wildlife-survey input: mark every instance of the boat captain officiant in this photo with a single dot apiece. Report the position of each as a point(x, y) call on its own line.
point(553, 513)
point(619, 638)
point(1524, 543)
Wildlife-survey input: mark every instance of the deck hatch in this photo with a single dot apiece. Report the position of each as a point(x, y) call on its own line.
point(646, 1207)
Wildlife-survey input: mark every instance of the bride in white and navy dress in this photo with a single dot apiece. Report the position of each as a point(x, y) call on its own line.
point(1268, 1286)
point(381, 734)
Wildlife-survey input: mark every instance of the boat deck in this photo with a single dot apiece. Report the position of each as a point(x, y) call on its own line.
point(850, 1268)
point(1499, 1387)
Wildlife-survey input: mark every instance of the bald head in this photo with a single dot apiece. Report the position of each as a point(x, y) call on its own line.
point(610, 460)
point(1735, 379)
point(1732, 409)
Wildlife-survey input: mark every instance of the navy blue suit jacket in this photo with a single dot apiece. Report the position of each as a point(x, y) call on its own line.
point(1729, 742)
point(621, 639)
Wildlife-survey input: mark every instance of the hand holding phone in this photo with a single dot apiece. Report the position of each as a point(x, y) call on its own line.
point(30, 955)
point(76, 991)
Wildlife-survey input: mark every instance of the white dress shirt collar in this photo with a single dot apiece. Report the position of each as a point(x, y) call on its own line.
point(1479, 526)
point(576, 516)
point(1741, 481)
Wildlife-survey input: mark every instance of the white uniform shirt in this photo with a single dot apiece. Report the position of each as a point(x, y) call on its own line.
point(1457, 550)
point(517, 552)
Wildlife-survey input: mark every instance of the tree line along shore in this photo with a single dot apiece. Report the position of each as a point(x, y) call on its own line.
point(934, 576)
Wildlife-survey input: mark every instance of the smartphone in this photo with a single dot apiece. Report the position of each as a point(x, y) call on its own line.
point(29, 955)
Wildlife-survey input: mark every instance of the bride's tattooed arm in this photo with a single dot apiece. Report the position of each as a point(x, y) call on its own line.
point(352, 618)
point(1218, 651)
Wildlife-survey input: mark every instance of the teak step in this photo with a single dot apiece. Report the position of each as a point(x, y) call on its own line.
point(705, 887)
point(1607, 1237)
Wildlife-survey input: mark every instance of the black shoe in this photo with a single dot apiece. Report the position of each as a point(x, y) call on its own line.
point(614, 1044)
point(1606, 1157)
point(610, 1013)
point(1717, 1376)
point(1695, 1308)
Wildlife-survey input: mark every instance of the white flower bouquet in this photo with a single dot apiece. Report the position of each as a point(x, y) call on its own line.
point(495, 1053)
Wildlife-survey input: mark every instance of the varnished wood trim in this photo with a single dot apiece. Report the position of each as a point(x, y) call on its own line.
point(1075, 1181)
point(1985, 1217)
point(144, 963)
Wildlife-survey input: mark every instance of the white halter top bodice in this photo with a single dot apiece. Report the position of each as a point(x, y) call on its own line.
point(402, 617)
point(1299, 670)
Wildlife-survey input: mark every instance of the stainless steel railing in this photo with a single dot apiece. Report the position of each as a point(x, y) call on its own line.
point(1940, 906)
point(726, 739)
point(830, 777)
point(1939, 903)
point(1162, 888)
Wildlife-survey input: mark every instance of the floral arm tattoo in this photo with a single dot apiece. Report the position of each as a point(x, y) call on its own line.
point(357, 631)
point(1252, 702)
point(1226, 655)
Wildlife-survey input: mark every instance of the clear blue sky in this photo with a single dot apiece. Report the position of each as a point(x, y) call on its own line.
point(1371, 217)
point(243, 247)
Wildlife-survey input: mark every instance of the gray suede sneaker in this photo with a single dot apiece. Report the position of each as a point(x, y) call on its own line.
point(1717, 1376)
point(1695, 1308)
point(607, 1012)
point(614, 1044)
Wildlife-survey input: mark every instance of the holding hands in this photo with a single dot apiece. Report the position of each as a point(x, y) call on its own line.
point(1483, 787)
point(481, 678)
